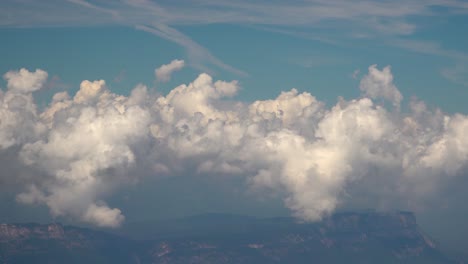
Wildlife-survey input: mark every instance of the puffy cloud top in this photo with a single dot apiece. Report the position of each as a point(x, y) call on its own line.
point(24, 81)
point(163, 73)
point(379, 84)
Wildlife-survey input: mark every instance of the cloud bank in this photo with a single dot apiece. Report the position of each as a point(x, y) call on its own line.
point(84, 147)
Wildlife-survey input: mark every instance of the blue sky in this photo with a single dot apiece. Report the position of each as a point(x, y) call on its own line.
point(321, 47)
point(314, 46)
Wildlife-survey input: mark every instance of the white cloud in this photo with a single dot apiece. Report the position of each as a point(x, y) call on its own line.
point(163, 73)
point(379, 84)
point(103, 216)
point(89, 91)
point(18, 114)
point(24, 81)
point(88, 135)
point(85, 146)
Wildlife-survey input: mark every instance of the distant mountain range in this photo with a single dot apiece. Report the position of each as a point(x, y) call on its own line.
point(364, 237)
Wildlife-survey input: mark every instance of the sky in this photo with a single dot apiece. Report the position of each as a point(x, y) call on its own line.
point(136, 109)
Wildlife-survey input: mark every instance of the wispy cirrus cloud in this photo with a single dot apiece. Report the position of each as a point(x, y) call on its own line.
point(456, 74)
point(351, 19)
point(391, 15)
point(198, 55)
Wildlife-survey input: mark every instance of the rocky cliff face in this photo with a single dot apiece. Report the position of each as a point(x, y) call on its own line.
point(342, 238)
point(54, 243)
point(9, 232)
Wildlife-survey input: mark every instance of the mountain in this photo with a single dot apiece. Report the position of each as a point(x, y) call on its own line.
point(54, 243)
point(364, 237)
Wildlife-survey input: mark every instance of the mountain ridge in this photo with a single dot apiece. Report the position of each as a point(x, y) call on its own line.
point(363, 237)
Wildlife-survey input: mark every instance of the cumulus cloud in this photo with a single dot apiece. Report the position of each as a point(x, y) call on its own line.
point(87, 145)
point(379, 84)
point(163, 73)
point(103, 216)
point(24, 81)
point(18, 114)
